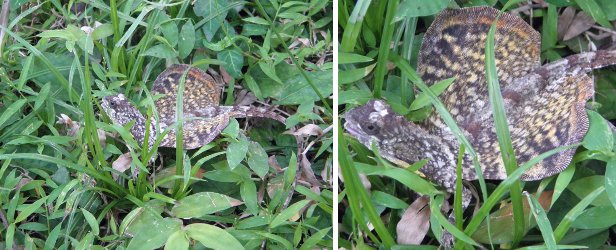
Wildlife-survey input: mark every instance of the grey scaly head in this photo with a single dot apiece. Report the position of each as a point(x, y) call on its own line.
point(203, 118)
point(122, 112)
point(402, 142)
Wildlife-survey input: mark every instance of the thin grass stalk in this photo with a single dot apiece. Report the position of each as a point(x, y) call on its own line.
point(564, 225)
point(502, 133)
point(90, 123)
point(179, 133)
point(358, 197)
point(542, 221)
point(457, 201)
point(386, 37)
point(353, 26)
point(407, 92)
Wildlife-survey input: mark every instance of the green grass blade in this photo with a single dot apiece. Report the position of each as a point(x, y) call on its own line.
point(562, 228)
point(504, 186)
point(542, 221)
point(502, 133)
point(386, 37)
point(358, 197)
point(352, 28)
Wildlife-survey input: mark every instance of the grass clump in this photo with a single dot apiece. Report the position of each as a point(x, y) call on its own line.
point(68, 173)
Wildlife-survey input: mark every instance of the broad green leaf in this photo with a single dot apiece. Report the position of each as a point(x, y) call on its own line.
point(200, 204)
point(103, 31)
point(315, 238)
point(236, 152)
point(388, 200)
point(584, 186)
point(253, 86)
point(11, 110)
point(288, 213)
point(257, 20)
point(345, 57)
point(248, 191)
point(187, 39)
point(29, 209)
point(170, 32)
point(294, 88)
point(233, 61)
point(610, 181)
point(270, 71)
point(416, 8)
point(214, 11)
point(257, 159)
point(233, 129)
point(609, 8)
point(599, 136)
point(160, 51)
point(91, 221)
point(155, 234)
point(596, 218)
point(212, 237)
point(352, 75)
point(177, 240)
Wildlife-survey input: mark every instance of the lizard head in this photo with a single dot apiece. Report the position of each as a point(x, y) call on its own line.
point(377, 122)
point(121, 112)
point(367, 123)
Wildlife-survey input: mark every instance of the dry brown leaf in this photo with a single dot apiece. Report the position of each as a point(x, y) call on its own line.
point(235, 203)
point(299, 213)
point(273, 186)
point(564, 21)
point(501, 221)
point(122, 163)
point(581, 22)
point(365, 182)
point(22, 182)
point(307, 173)
point(274, 163)
point(71, 126)
point(102, 137)
point(415, 222)
point(225, 76)
point(245, 98)
point(308, 130)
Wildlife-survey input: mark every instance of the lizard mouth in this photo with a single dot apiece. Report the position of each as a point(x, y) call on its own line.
point(352, 128)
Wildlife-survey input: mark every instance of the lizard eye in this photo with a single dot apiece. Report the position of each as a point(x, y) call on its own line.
point(371, 129)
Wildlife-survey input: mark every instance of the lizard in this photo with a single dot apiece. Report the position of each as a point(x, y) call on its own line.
point(204, 119)
point(544, 104)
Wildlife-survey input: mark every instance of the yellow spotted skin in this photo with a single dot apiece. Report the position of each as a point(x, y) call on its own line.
point(544, 104)
point(200, 90)
point(454, 46)
point(203, 118)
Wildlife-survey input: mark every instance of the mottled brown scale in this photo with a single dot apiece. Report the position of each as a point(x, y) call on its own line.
point(200, 91)
point(454, 46)
point(544, 104)
point(203, 118)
